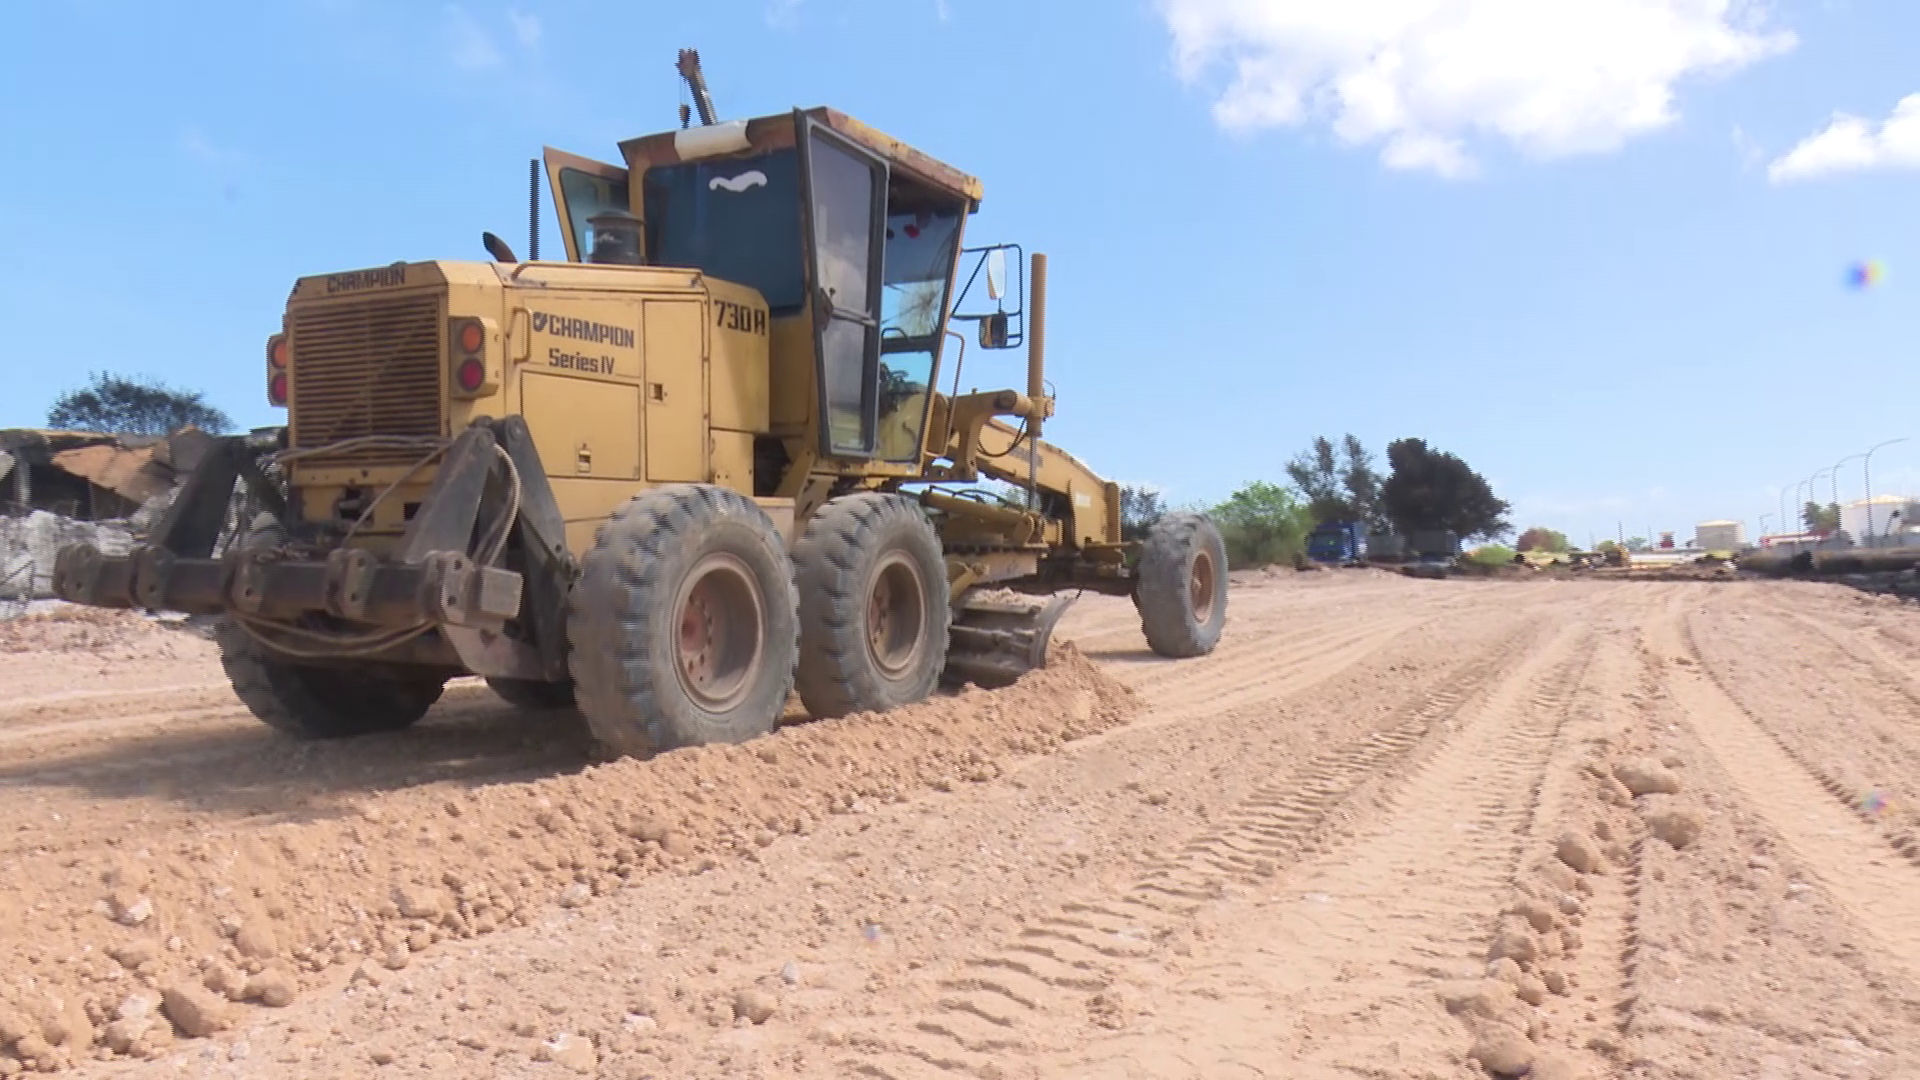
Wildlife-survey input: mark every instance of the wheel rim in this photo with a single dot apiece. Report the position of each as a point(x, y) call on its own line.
point(896, 615)
point(1200, 584)
point(719, 630)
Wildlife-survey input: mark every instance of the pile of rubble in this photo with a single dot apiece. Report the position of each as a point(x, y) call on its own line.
point(63, 487)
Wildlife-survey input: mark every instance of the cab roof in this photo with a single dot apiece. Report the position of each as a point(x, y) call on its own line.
point(765, 133)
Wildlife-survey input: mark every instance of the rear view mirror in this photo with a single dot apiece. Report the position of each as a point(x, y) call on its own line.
point(997, 274)
point(993, 331)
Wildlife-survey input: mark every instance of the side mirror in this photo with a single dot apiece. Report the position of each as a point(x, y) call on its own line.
point(996, 274)
point(993, 331)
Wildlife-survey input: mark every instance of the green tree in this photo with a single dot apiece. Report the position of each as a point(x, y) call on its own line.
point(1362, 482)
point(1339, 484)
point(1490, 555)
point(118, 405)
point(1140, 507)
point(1636, 543)
point(1432, 490)
point(1540, 538)
point(1817, 518)
point(1263, 523)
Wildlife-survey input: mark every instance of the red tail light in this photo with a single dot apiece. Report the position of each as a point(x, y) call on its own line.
point(277, 353)
point(471, 375)
point(467, 358)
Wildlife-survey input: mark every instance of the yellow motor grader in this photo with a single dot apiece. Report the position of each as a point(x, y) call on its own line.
point(703, 462)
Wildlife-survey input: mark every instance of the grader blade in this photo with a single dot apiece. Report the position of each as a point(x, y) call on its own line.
point(994, 641)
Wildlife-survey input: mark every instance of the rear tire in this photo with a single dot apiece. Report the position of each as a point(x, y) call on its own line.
point(874, 609)
point(1182, 586)
point(316, 702)
point(532, 693)
point(683, 622)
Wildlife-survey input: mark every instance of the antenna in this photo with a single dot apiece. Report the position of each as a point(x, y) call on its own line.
point(689, 68)
point(533, 209)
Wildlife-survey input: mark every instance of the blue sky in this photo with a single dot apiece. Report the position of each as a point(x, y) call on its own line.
point(1596, 249)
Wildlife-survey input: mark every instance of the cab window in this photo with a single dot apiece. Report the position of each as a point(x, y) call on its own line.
point(737, 219)
point(587, 195)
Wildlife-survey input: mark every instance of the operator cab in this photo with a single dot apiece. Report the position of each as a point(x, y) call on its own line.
point(849, 235)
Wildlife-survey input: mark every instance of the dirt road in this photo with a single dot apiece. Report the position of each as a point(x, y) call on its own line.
point(1392, 828)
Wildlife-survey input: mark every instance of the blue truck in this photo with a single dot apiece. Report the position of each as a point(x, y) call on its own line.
point(1337, 542)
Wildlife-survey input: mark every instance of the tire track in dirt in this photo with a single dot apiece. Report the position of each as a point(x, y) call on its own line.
point(1888, 670)
point(1060, 967)
point(1364, 933)
point(1899, 829)
point(1270, 670)
point(1855, 861)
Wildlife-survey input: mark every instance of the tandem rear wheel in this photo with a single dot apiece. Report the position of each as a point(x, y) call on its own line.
point(683, 623)
point(323, 702)
point(874, 606)
point(315, 701)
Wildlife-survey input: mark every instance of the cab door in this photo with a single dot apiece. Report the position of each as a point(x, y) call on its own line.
point(843, 199)
point(581, 188)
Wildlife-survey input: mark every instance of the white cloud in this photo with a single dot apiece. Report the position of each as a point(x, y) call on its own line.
point(526, 28)
point(1852, 144)
point(196, 145)
point(1421, 77)
point(1747, 147)
point(783, 14)
point(471, 47)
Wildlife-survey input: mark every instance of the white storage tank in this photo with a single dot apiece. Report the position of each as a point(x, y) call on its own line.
point(1889, 514)
point(1719, 536)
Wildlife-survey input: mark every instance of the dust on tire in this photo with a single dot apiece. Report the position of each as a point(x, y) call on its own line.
point(1182, 587)
point(856, 548)
point(625, 613)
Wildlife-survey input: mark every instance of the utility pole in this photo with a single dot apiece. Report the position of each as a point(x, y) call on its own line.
point(1866, 480)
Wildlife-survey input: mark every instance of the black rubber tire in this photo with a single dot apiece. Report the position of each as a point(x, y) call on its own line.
point(1182, 585)
point(851, 546)
point(532, 693)
point(323, 702)
point(624, 630)
point(316, 702)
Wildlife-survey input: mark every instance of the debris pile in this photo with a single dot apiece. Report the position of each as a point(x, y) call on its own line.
point(63, 487)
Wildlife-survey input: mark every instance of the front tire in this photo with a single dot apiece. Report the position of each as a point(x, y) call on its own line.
point(315, 702)
point(683, 623)
point(532, 693)
point(1182, 586)
point(874, 609)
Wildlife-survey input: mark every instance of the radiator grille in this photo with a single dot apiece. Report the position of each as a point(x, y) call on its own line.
point(369, 367)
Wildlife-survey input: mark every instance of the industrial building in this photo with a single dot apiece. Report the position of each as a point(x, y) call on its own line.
point(1719, 536)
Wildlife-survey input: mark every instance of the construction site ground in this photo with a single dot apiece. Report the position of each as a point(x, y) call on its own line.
point(1391, 828)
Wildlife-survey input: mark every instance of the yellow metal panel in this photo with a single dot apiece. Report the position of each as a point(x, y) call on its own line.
point(582, 335)
point(791, 375)
point(586, 505)
point(675, 388)
point(733, 460)
point(583, 427)
point(738, 378)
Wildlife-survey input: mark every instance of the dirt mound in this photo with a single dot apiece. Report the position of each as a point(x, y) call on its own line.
point(224, 916)
point(98, 632)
